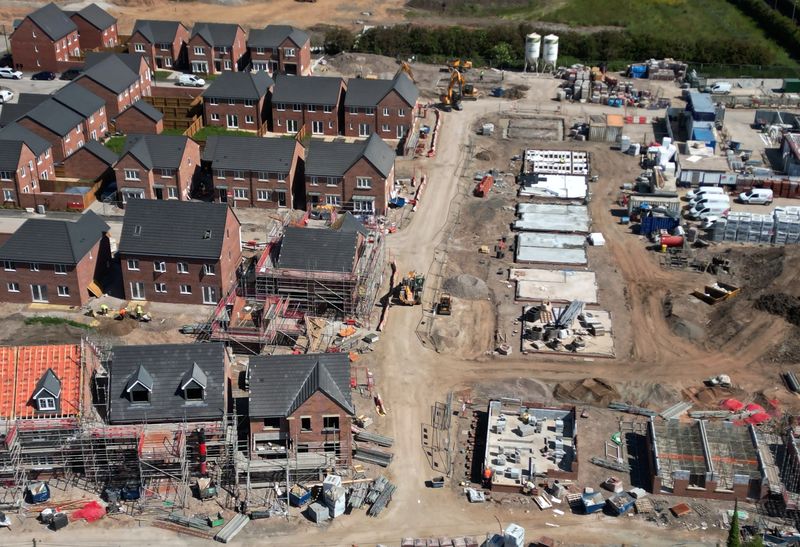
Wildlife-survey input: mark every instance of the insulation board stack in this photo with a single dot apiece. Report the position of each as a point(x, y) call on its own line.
point(787, 225)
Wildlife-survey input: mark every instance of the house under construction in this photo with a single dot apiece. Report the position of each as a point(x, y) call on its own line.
point(330, 272)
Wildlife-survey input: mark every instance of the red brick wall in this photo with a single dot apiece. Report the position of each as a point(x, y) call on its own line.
point(330, 121)
point(223, 108)
point(85, 165)
point(97, 124)
point(133, 121)
point(380, 187)
point(91, 37)
point(18, 183)
point(235, 53)
point(151, 53)
point(145, 176)
point(231, 255)
point(61, 148)
point(395, 104)
point(93, 265)
point(195, 279)
point(113, 103)
point(39, 52)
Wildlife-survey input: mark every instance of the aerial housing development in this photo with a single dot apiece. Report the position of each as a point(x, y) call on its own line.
point(326, 273)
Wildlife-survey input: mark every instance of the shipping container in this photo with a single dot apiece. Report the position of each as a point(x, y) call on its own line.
point(635, 202)
point(791, 85)
point(654, 222)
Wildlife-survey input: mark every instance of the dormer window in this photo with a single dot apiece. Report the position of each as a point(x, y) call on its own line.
point(194, 384)
point(140, 386)
point(47, 393)
point(46, 403)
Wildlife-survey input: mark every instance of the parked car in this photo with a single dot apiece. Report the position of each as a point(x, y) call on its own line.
point(190, 80)
point(691, 194)
point(10, 73)
point(70, 74)
point(708, 197)
point(6, 95)
point(44, 75)
point(757, 196)
point(722, 88)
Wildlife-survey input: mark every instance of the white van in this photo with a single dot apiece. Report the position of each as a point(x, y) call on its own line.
point(703, 190)
point(709, 197)
point(757, 196)
point(715, 209)
point(722, 88)
point(190, 80)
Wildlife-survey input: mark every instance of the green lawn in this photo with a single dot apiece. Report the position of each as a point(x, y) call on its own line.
point(48, 320)
point(209, 130)
point(173, 132)
point(116, 143)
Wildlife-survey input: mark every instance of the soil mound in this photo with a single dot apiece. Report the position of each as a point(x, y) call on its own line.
point(784, 305)
point(590, 390)
point(484, 155)
point(467, 287)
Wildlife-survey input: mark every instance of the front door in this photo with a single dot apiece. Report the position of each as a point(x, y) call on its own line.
point(218, 66)
point(222, 193)
point(159, 193)
point(137, 290)
point(233, 120)
point(281, 198)
point(39, 293)
point(209, 295)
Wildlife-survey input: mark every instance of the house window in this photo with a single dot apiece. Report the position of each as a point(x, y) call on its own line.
point(164, 47)
point(262, 175)
point(363, 130)
point(305, 423)
point(330, 423)
point(272, 423)
point(238, 175)
point(231, 102)
point(363, 183)
point(280, 107)
point(289, 51)
point(385, 111)
point(34, 266)
point(385, 127)
point(249, 102)
point(297, 107)
point(159, 266)
point(364, 205)
point(183, 268)
point(167, 173)
point(131, 174)
point(262, 195)
point(186, 289)
point(167, 62)
point(330, 125)
point(5, 175)
point(46, 403)
point(63, 290)
point(138, 48)
point(281, 177)
point(213, 101)
point(140, 395)
point(172, 192)
point(248, 119)
point(199, 50)
point(193, 393)
point(311, 108)
point(327, 109)
point(160, 287)
point(260, 50)
point(133, 265)
point(401, 112)
point(214, 117)
point(240, 193)
point(314, 181)
point(333, 181)
point(208, 269)
point(291, 126)
point(353, 110)
point(12, 287)
point(331, 199)
point(61, 269)
point(22, 169)
point(369, 111)
point(317, 127)
point(8, 195)
point(219, 173)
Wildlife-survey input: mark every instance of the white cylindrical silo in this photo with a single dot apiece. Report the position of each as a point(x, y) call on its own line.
point(550, 54)
point(533, 44)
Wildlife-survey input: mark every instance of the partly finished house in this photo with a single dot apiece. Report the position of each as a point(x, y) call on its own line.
point(196, 264)
point(252, 171)
point(385, 107)
point(357, 177)
point(25, 159)
point(96, 27)
point(216, 47)
point(311, 104)
point(238, 100)
point(280, 48)
point(162, 43)
point(157, 167)
point(55, 261)
point(300, 410)
point(46, 40)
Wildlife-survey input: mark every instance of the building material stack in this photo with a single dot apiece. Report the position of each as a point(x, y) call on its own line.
point(786, 225)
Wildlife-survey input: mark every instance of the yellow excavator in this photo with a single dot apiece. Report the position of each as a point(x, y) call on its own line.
point(457, 90)
point(459, 64)
point(405, 67)
point(409, 291)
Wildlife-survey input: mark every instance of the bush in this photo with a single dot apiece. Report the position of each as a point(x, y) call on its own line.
point(338, 39)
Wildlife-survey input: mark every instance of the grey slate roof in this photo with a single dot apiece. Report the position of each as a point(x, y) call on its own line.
point(79, 99)
point(348, 223)
point(53, 21)
point(186, 223)
point(249, 153)
point(103, 153)
point(334, 159)
point(54, 241)
point(362, 92)
point(166, 365)
point(140, 377)
point(49, 382)
point(274, 36)
point(157, 32)
point(16, 132)
point(216, 34)
point(156, 151)
point(145, 108)
point(239, 85)
point(9, 155)
point(317, 250)
point(132, 60)
point(110, 72)
point(279, 384)
point(97, 17)
point(306, 89)
point(11, 112)
point(196, 375)
point(54, 116)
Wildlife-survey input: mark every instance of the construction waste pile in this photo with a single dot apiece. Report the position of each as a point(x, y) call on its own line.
point(336, 498)
point(663, 69)
point(593, 85)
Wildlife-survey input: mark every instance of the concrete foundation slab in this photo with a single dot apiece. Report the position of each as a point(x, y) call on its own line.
point(544, 255)
point(542, 217)
point(555, 285)
point(554, 186)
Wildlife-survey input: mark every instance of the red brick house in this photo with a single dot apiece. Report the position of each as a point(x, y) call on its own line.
point(196, 264)
point(59, 125)
point(91, 162)
point(54, 261)
point(162, 43)
point(280, 48)
point(25, 159)
point(141, 118)
point(356, 177)
point(160, 167)
point(120, 79)
point(96, 27)
point(88, 106)
point(253, 171)
point(45, 40)
point(385, 107)
point(216, 47)
point(301, 404)
point(313, 102)
point(238, 100)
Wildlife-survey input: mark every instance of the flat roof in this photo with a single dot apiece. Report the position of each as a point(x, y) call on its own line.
point(704, 163)
point(702, 102)
point(553, 186)
point(535, 284)
point(542, 217)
